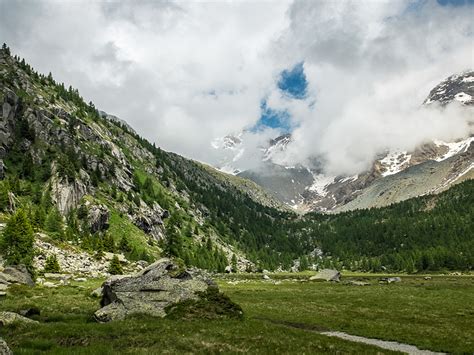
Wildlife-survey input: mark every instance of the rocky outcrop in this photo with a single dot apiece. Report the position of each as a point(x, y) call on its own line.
point(153, 291)
point(16, 275)
point(8, 110)
point(98, 218)
point(150, 220)
point(75, 262)
point(67, 194)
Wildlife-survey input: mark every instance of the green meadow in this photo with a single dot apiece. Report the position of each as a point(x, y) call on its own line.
point(283, 315)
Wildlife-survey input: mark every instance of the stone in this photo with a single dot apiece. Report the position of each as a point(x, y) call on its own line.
point(162, 286)
point(228, 269)
point(7, 318)
point(3, 287)
point(80, 279)
point(390, 280)
point(327, 275)
point(266, 277)
point(3, 294)
point(427, 277)
point(358, 283)
point(97, 292)
point(49, 284)
point(16, 275)
point(52, 276)
point(4, 349)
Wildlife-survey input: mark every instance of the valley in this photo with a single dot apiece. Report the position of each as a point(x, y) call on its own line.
point(338, 217)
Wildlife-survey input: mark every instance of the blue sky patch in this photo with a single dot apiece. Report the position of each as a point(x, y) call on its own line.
point(455, 2)
point(272, 118)
point(293, 82)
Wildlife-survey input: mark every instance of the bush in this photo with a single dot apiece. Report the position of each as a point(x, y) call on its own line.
point(52, 264)
point(115, 268)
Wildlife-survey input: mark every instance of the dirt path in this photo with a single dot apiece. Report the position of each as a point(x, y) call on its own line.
point(389, 345)
point(384, 344)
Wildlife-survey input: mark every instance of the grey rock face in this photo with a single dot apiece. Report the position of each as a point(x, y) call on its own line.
point(67, 195)
point(150, 220)
point(16, 275)
point(98, 217)
point(150, 291)
point(4, 349)
point(327, 275)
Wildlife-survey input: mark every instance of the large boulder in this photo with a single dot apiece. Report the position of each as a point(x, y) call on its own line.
point(4, 349)
point(163, 288)
point(327, 275)
point(16, 275)
point(7, 318)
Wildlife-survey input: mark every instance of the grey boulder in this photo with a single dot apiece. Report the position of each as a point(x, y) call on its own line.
point(326, 275)
point(7, 318)
point(162, 284)
point(16, 275)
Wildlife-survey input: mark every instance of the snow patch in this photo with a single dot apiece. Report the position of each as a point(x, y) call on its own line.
point(320, 183)
point(463, 97)
point(395, 162)
point(468, 79)
point(454, 148)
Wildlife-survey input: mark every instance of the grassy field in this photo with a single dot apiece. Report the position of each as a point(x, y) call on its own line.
point(280, 317)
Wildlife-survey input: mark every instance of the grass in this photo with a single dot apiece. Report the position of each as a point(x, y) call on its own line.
point(280, 318)
point(120, 226)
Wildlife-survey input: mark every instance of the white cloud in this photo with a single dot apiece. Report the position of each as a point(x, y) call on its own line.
point(184, 73)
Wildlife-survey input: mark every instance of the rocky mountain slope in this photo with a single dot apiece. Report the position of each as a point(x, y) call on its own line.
point(103, 185)
point(393, 177)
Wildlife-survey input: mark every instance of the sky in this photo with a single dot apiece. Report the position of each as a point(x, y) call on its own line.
point(346, 78)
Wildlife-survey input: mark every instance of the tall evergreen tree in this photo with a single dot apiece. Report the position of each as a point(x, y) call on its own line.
point(17, 241)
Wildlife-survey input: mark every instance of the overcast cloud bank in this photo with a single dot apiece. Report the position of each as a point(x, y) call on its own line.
point(186, 73)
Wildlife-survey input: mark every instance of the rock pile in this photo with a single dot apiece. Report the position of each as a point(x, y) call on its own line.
point(76, 262)
point(163, 288)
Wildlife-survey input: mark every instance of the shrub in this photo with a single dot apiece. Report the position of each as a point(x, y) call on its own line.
point(52, 264)
point(115, 268)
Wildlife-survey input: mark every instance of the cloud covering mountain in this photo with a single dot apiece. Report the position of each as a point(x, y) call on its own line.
point(184, 74)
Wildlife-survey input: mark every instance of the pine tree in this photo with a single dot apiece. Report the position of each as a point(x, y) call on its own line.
point(4, 201)
point(115, 268)
point(54, 223)
point(52, 264)
point(17, 241)
point(234, 263)
point(173, 244)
